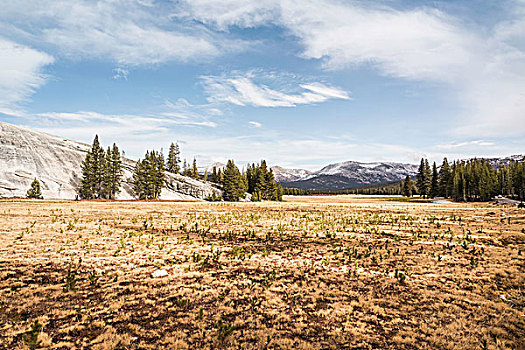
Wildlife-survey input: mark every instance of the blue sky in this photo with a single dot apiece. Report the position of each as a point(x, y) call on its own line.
point(298, 83)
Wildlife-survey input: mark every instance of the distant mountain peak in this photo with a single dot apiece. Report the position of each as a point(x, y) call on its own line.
point(286, 175)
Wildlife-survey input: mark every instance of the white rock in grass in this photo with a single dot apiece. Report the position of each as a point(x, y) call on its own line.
point(159, 273)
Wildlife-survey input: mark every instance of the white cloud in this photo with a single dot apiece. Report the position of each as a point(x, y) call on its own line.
point(131, 123)
point(483, 66)
point(418, 44)
point(128, 32)
point(242, 90)
point(255, 124)
point(189, 114)
point(120, 73)
point(21, 73)
point(474, 143)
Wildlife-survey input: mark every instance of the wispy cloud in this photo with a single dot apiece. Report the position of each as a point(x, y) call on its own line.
point(120, 73)
point(242, 89)
point(185, 113)
point(21, 73)
point(474, 143)
point(130, 123)
point(255, 124)
point(129, 32)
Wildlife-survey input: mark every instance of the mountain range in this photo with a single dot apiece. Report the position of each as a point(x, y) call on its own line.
point(345, 175)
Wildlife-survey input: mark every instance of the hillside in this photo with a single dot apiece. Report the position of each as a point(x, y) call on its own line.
point(26, 154)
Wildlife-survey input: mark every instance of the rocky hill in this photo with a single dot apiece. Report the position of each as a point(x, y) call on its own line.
point(26, 154)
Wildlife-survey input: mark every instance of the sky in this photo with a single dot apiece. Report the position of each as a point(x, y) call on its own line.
point(300, 84)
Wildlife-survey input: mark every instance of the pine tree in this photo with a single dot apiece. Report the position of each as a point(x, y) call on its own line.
point(99, 165)
point(445, 179)
point(434, 186)
point(220, 177)
point(420, 179)
point(214, 177)
point(172, 164)
point(233, 185)
point(250, 178)
point(94, 172)
point(458, 187)
point(517, 171)
point(279, 191)
point(34, 191)
point(115, 171)
point(424, 178)
point(86, 186)
point(195, 170)
point(157, 161)
point(407, 187)
point(139, 181)
point(428, 178)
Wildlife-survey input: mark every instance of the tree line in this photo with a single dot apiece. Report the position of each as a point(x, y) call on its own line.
point(390, 189)
point(102, 176)
point(467, 180)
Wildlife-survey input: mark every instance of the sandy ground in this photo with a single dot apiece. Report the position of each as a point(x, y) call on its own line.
point(323, 272)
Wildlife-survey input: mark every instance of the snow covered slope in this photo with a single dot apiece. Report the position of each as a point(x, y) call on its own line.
point(55, 162)
point(286, 175)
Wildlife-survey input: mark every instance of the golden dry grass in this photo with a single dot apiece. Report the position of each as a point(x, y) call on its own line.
point(338, 272)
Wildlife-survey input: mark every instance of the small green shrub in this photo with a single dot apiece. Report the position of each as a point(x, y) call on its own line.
point(31, 337)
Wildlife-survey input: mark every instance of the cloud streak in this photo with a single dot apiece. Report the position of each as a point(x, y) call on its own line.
point(128, 32)
point(21, 73)
point(243, 90)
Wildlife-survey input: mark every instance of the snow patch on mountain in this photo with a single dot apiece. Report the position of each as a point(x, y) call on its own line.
point(285, 175)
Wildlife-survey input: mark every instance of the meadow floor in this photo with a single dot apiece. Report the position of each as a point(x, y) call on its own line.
point(339, 272)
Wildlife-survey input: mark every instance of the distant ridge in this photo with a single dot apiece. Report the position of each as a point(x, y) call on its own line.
point(352, 174)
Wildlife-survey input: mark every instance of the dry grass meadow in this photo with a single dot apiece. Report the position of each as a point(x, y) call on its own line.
point(338, 272)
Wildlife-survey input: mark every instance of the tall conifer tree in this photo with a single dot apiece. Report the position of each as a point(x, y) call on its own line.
point(444, 179)
point(434, 185)
point(173, 161)
point(94, 172)
point(407, 187)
